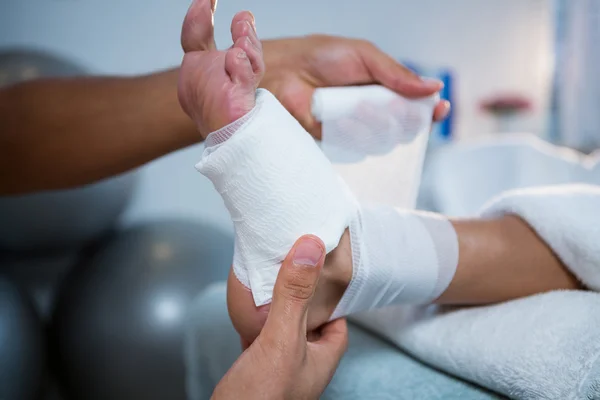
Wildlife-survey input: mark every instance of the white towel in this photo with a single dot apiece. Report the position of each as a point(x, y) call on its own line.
point(540, 347)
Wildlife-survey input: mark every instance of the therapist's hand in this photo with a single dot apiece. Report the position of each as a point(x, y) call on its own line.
point(296, 67)
point(282, 363)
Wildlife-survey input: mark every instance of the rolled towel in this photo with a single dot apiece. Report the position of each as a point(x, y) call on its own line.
point(566, 217)
point(540, 347)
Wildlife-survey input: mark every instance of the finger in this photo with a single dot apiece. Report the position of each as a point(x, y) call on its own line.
point(390, 73)
point(334, 337)
point(197, 33)
point(312, 126)
point(315, 128)
point(331, 346)
point(294, 98)
point(442, 109)
point(294, 288)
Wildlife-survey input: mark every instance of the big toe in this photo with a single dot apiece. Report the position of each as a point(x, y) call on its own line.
point(197, 32)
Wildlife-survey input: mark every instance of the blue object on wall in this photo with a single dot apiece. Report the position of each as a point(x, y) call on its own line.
point(443, 131)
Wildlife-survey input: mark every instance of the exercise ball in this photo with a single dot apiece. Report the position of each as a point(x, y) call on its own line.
point(60, 219)
point(22, 345)
point(120, 316)
point(39, 275)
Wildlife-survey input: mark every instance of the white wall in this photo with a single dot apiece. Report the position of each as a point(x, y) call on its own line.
point(493, 45)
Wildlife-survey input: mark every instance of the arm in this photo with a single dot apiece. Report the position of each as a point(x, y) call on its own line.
point(62, 133)
point(58, 133)
point(556, 248)
point(499, 258)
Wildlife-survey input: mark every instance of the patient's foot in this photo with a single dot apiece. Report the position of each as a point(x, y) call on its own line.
point(218, 87)
point(335, 278)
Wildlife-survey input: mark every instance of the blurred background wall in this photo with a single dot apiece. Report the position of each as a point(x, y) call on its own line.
point(492, 47)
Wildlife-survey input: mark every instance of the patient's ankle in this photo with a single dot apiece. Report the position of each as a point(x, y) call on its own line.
point(333, 282)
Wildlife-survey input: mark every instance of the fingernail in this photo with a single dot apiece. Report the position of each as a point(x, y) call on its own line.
point(252, 16)
point(242, 54)
point(447, 107)
point(308, 252)
point(432, 83)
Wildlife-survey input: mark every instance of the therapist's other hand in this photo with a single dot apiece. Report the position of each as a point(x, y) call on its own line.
point(282, 363)
point(296, 67)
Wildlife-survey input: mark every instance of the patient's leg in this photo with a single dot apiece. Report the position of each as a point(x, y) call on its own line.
point(498, 259)
point(503, 259)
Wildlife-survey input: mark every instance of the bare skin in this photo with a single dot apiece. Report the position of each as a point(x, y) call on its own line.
point(81, 130)
point(503, 259)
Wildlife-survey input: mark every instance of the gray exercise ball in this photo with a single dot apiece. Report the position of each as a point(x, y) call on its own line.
point(59, 219)
point(39, 275)
point(22, 345)
point(120, 316)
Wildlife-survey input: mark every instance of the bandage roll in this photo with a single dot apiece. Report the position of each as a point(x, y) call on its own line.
point(376, 140)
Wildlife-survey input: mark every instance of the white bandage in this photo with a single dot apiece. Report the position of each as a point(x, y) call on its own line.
point(376, 139)
point(369, 120)
point(398, 257)
point(277, 186)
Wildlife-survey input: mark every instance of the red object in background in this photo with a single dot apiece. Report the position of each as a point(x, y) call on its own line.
point(506, 104)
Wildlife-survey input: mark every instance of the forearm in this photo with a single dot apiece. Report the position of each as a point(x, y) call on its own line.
point(58, 133)
point(503, 259)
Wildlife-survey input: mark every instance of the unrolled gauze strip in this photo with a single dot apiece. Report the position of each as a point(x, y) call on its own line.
point(376, 140)
point(277, 186)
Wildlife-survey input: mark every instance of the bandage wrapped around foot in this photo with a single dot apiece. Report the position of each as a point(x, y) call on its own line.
point(278, 185)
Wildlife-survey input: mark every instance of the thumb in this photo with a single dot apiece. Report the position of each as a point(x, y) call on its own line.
point(297, 98)
point(294, 288)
